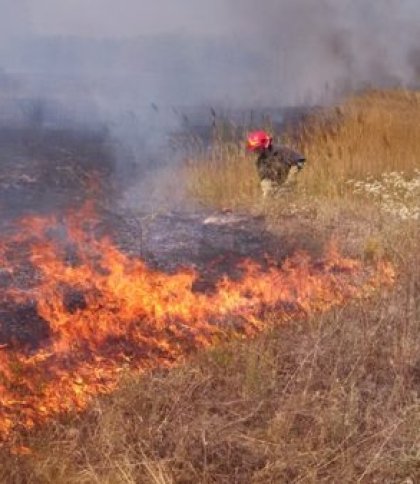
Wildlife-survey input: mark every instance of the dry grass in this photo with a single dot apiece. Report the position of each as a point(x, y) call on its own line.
point(368, 135)
point(371, 133)
point(331, 399)
point(223, 176)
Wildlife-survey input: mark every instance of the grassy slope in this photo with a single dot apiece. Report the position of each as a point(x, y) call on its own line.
point(332, 399)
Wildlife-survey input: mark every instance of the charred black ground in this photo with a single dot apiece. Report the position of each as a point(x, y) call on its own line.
point(46, 172)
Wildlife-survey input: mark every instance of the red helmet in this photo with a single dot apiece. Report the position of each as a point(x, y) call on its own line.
point(258, 140)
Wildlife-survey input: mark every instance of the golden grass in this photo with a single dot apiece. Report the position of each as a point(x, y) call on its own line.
point(373, 133)
point(370, 133)
point(333, 399)
point(224, 177)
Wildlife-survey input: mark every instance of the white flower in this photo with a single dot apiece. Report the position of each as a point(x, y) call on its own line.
point(394, 193)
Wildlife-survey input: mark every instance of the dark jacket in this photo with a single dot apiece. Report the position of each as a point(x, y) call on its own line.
point(274, 163)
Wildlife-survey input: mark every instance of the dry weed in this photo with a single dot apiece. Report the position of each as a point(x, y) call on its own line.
point(369, 134)
point(331, 399)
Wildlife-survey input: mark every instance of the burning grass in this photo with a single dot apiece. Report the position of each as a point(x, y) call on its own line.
point(127, 316)
point(331, 396)
point(332, 399)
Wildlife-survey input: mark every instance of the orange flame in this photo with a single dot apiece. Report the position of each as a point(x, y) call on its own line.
point(132, 317)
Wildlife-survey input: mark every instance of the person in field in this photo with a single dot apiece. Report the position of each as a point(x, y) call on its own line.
point(274, 162)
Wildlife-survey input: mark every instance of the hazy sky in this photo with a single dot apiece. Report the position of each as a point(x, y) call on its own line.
point(109, 18)
point(301, 46)
point(136, 17)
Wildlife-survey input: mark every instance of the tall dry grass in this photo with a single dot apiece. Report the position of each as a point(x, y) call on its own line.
point(223, 175)
point(332, 399)
point(368, 134)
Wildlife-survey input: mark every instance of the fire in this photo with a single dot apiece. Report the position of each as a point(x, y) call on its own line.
point(108, 312)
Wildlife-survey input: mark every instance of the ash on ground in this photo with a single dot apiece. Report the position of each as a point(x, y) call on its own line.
point(212, 243)
point(45, 172)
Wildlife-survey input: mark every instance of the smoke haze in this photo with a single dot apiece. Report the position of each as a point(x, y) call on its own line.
point(237, 52)
point(137, 64)
point(342, 44)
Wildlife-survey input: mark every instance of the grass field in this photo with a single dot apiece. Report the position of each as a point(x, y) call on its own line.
point(334, 398)
point(369, 134)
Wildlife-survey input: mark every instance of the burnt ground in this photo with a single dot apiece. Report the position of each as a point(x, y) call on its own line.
point(214, 245)
point(48, 170)
point(42, 172)
point(51, 171)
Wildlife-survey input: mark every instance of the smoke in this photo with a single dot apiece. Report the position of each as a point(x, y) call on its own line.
point(237, 52)
point(313, 47)
point(137, 64)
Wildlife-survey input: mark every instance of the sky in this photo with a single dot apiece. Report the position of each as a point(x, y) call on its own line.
point(114, 18)
point(127, 18)
point(245, 54)
point(301, 45)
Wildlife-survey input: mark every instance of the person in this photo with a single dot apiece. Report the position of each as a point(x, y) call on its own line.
point(274, 162)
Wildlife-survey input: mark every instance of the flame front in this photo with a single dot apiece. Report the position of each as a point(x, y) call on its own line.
point(129, 316)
